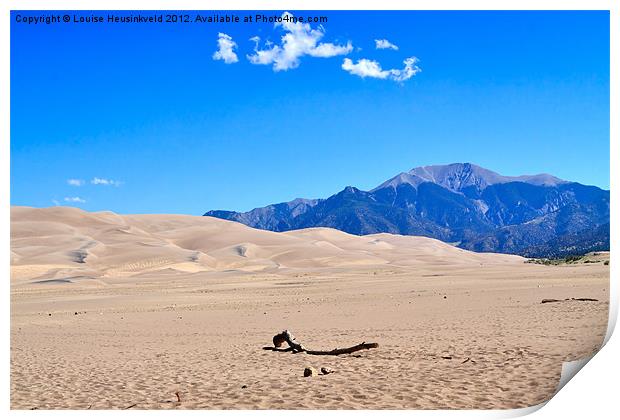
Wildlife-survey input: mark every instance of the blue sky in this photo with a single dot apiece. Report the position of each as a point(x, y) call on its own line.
point(145, 120)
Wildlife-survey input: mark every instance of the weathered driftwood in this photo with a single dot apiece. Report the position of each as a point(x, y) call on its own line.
point(567, 299)
point(550, 300)
point(296, 347)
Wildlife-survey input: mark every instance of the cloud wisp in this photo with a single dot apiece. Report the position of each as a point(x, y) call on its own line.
point(104, 181)
point(371, 68)
point(226, 47)
point(384, 44)
point(75, 200)
point(75, 182)
point(299, 40)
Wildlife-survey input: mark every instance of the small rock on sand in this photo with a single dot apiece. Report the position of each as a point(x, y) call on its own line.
point(310, 371)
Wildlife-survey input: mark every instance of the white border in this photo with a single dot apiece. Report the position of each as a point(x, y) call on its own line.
point(306, 5)
point(593, 393)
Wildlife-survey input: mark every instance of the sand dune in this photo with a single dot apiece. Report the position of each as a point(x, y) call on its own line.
point(118, 311)
point(66, 242)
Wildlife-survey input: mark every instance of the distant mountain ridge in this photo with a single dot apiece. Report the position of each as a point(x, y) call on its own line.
point(458, 176)
point(461, 203)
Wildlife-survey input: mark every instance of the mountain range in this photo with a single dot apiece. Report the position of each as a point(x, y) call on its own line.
point(460, 203)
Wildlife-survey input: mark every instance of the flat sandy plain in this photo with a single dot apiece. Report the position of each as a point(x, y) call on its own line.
point(114, 311)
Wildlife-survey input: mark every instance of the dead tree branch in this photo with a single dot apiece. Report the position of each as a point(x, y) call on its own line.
point(296, 347)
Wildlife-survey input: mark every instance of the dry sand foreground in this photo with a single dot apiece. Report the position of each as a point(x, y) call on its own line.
point(111, 311)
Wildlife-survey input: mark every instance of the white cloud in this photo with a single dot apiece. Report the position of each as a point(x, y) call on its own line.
point(410, 70)
point(56, 203)
point(384, 44)
point(267, 56)
point(75, 200)
point(370, 68)
point(75, 182)
point(225, 52)
point(299, 40)
point(103, 181)
point(365, 68)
